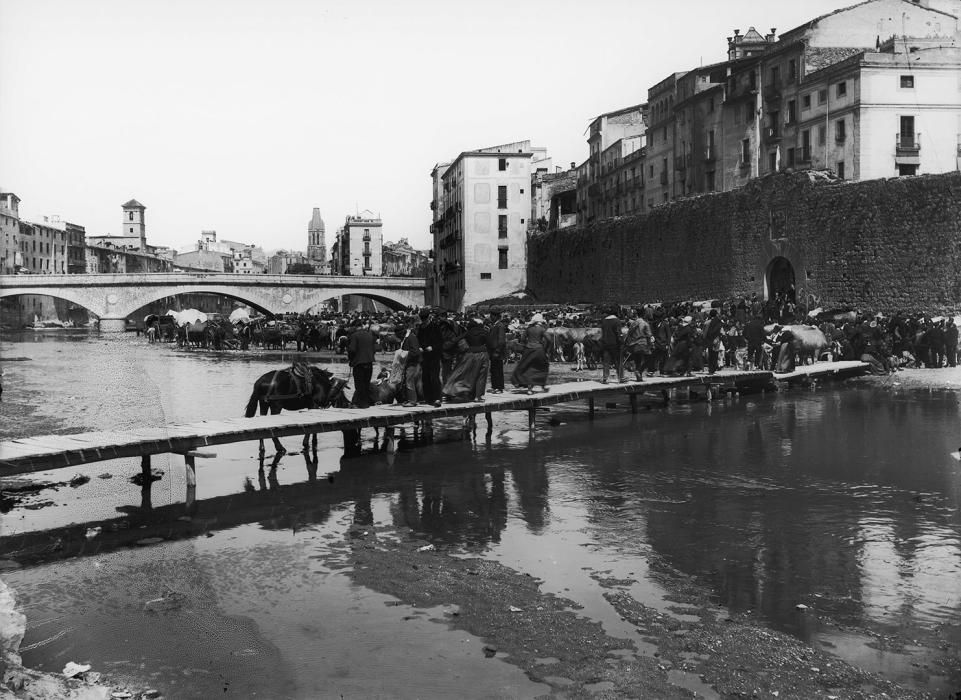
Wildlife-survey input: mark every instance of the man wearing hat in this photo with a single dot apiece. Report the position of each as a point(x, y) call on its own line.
point(360, 356)
point(611, 346)
point(431, 343)
point(497, 349)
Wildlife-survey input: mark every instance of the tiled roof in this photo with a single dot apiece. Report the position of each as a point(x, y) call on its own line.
point(134, 204)
point(817, 58)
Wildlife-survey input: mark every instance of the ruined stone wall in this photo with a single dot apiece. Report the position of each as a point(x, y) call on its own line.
point(882, 245)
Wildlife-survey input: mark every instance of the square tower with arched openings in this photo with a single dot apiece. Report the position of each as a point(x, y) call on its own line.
point(134, 225)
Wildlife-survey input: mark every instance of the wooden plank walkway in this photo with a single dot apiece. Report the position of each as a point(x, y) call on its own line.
point(46, 452)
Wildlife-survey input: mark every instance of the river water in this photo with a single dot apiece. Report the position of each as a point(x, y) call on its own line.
point(844, 499)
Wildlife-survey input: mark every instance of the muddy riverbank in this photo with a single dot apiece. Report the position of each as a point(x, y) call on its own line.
point(695, 648)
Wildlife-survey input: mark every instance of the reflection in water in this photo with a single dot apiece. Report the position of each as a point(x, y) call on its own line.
point(842, 499)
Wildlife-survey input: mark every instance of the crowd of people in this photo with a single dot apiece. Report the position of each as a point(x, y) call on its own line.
point(459, 357)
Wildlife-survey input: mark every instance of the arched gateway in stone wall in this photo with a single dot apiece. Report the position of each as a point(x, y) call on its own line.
point(779, 279)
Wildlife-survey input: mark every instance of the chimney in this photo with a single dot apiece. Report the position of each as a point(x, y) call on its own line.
point(573, 165)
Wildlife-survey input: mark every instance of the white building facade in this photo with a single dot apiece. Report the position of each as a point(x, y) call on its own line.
point(480, 235)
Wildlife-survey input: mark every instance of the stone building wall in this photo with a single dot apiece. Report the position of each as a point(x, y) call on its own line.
point(883, 245)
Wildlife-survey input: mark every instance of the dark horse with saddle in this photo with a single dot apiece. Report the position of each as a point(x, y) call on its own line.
point(292, 389)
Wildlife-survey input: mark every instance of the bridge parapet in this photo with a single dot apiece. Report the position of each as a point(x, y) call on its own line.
point(117, 296)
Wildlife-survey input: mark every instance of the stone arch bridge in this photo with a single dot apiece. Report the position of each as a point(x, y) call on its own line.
point(114, 297)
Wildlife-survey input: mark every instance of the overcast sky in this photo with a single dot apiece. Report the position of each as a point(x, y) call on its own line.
point(241, 115)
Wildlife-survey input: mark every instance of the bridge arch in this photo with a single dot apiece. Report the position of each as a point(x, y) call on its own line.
point(74, 296)
point(395, 301)
point(248, 297)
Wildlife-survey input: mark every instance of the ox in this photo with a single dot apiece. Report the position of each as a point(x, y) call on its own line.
point(809, 342)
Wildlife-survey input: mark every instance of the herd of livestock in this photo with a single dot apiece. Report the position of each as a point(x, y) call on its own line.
point(887, 342)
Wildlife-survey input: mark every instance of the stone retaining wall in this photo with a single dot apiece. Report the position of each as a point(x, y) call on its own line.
point(883, 245)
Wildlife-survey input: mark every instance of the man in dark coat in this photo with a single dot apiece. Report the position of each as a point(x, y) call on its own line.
point(951, 343)
point(755, 336)
point(497, 350)
point(431, 341)
point(611, 346)
point(360, 355)
point(936, 341)
point(712, 337)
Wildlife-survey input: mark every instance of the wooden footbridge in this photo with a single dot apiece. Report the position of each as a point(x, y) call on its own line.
point(48, 452)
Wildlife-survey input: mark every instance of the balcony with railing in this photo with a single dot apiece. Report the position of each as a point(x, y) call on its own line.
point(907, 144)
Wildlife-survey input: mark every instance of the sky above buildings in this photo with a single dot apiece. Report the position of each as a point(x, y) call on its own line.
point(241, 116)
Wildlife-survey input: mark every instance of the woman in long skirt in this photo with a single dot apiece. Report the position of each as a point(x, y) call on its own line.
point(533, 367)
point(468, 379)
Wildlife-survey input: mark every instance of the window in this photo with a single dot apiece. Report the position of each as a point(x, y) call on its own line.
point(745, 151)
point(485, 275)
point(502, 259)
point(775, 125)
point(130, 213)
point(748, 114)
point(502, 163)
point(841, 169)
point(131, 229)
point(840, 133)
point(792, 70)
point(502, 196)
point(791, 111)
point(842, 88)
point(790, 157)
point(805, 145)
point(822, 96)
point(502, 226)
point(906, 139)
point(772, 161)
point(822, 135)
point(806, 102)
point(905, 169)
point(907, 81)
point(775, 75)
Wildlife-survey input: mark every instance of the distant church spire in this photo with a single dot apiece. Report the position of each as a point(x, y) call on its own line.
point(316, 246)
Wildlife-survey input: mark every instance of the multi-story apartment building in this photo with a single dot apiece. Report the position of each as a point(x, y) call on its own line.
point(76, 248)
point(621, 179)
point(43, 248)
point(359, 246)
point(830, 86)
point(281, 262)
point(10, 255)
point(598, 195)
point(249, 260)
point(698, 159)
point(553, 200)
point(659, 156)
point(480, 234)
point(435, 277)
point(401, 259)
point(876, 114)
